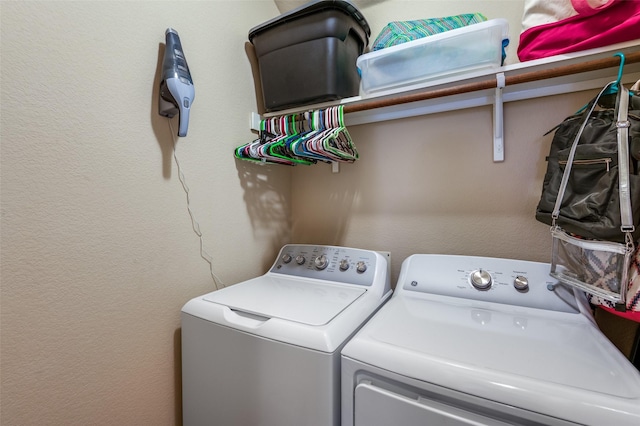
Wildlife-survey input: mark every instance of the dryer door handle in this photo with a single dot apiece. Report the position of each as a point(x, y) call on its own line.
point(377, 406)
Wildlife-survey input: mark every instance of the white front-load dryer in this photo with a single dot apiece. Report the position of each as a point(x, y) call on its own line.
point(469, 340)
point(266, 352)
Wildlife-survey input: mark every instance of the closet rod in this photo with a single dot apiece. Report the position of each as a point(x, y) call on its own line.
point(492, 83)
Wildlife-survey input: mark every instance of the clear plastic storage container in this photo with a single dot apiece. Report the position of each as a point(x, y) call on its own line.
point(453, 52)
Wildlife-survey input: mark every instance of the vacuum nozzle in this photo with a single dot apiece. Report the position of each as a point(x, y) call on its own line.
point(176, 87)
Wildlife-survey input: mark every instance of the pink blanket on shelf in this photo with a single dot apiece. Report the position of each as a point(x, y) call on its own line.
point(587, 27)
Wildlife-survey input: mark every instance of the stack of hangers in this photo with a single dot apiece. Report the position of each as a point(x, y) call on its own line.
point(304, 138)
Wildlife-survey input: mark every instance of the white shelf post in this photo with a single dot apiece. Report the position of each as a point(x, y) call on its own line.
point(498, 121)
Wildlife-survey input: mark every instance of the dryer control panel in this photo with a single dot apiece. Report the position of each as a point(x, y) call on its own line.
point(330, 263)
point(505, 281)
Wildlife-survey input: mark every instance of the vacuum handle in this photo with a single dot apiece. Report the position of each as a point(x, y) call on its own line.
point(176, 79)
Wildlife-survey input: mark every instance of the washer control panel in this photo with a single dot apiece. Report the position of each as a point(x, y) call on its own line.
point(507, 281)
point(331, 263)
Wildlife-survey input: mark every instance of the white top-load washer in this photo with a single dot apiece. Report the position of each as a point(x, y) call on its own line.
point(267, 351)
point(484, 341)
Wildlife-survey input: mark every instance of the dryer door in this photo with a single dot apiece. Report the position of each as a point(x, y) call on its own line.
point(375, 406)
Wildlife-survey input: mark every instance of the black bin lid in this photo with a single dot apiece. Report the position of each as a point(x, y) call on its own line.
point(310, 8)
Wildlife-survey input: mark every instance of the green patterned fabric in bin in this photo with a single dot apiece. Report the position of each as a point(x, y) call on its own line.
point(398, 32)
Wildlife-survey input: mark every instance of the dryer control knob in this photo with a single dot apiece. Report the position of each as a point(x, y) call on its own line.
point(300, 259)
point(344, 264)
point(286, 258)
point(321, 262)
point(480, 279)
point(521, 283)
point(361, 267)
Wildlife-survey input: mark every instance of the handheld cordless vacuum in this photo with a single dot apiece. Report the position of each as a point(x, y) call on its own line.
point(176, 87)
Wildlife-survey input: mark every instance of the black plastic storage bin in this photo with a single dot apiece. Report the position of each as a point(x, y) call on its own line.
point(308, 55)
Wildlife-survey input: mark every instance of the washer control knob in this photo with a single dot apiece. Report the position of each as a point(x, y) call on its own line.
point(480, 279)
point(300, 259)
point(344, 264)
point(286, 258)
point(320, 262)
point(361, 267)
point(521, 283)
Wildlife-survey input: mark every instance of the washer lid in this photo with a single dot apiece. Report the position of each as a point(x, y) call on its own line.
point(444, 340)
point(299, 300)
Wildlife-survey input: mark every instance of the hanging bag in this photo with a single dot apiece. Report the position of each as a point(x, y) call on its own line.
point(591, 198)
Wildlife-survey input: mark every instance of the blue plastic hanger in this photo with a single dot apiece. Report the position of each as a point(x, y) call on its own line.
point(612, 86)
point(616, 84)
point(621, 67)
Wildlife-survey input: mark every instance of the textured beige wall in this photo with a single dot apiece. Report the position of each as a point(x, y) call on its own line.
point(428, 185)
point(98, 252)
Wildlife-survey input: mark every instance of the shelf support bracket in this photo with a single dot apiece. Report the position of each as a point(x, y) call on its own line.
point(498, 120)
